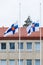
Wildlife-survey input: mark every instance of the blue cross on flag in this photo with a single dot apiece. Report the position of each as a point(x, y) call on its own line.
point(12, 30)
point(32, 28)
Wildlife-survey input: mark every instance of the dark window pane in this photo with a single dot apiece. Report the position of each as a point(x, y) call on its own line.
point(29, 62)
point(29, 45)
point(20, 45)
point(37, 62)
point(3, 45)
point(12, 45)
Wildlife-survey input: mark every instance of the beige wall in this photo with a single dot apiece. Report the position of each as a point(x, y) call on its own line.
point(24, 54)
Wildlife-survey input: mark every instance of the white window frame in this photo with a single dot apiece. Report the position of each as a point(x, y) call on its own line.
point(37, 47)
point(12, 50)
point(3, 62)
point(26, 46)
point(3, 50)
point(19, 61)
point(36, 60)
point(23, 46)
point(12, 60)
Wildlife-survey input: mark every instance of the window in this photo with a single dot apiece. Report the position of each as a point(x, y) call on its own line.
point(37, 62)
point(20, 45)
point(29, 62)
point(20, 62)
point(12, 62)
point(3, 62)
point(29, 46)
point(12, 45)
point(3, 45)
point(37, 46)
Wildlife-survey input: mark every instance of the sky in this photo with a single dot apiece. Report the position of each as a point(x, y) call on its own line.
point(11, 11)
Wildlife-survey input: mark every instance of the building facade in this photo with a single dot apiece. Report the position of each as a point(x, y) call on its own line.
point(25, 51)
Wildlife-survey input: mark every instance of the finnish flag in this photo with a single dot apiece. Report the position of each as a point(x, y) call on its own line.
point(32, 28)
point(29, 30)
point(35, 27)
point(11, 30)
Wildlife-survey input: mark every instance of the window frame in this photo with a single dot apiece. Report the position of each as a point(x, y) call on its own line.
point(29, 61)
point(11, 49)
point(11, 60)
point(20, 60)
point(3, 60)
point(27, 45)
point(37, 47)
point(22, 46)
point(5, 46)
point(36, 60)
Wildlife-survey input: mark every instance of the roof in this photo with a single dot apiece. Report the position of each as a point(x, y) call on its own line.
point(23, 34)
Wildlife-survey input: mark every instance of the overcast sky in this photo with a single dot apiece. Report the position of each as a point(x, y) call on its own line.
point(9, 11)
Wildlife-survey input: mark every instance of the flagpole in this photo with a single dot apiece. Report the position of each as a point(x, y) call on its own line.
point(19, 28)
point(40, 37)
